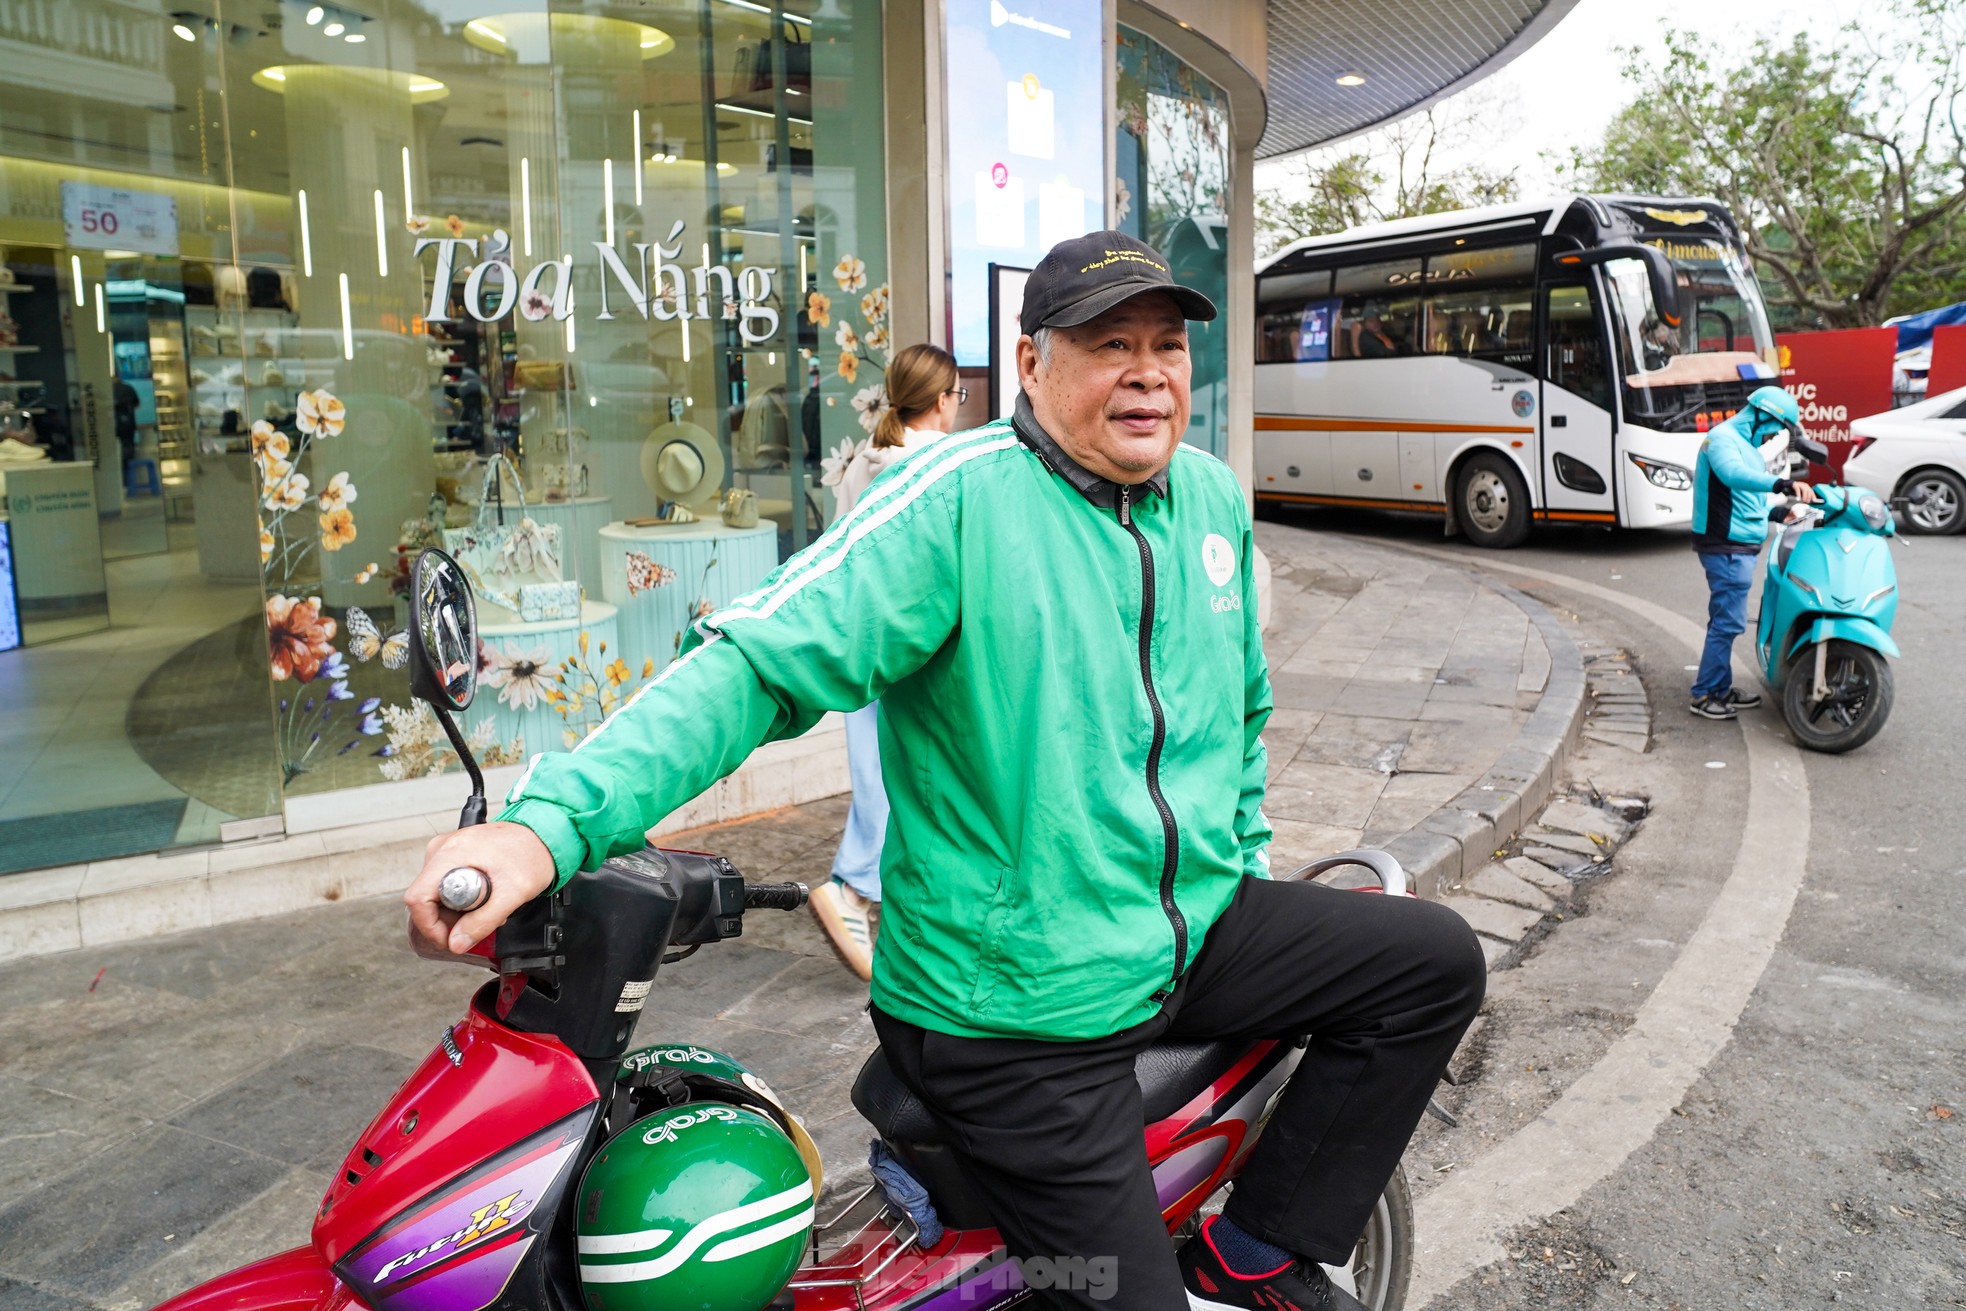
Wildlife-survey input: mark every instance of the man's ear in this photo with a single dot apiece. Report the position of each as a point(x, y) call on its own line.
point(1027, 361)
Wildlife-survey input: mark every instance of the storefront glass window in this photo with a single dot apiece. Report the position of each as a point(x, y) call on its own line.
point(582, 292)
point(1171, 150)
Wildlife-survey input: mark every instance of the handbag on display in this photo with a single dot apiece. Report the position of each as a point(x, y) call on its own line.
point(740, 508)
point(542, 375)
point(798, 62)
point(514, 565)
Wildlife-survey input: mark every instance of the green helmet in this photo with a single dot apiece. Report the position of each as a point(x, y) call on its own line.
point(704, 1206)
point(1777, 404)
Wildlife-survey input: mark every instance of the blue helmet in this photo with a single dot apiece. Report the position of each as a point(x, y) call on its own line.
point(1776, 404)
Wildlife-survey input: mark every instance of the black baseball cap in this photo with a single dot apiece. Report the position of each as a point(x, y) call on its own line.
point(1080, 279)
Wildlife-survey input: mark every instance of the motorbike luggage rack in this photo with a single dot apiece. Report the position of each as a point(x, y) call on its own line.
point(883, 1252)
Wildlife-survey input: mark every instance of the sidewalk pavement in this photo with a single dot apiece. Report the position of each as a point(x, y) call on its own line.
point(174, 1105)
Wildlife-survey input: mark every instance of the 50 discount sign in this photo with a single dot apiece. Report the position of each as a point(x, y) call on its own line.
point(116, 218)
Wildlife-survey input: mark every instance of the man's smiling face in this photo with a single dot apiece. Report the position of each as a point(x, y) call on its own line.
point(1114, 392)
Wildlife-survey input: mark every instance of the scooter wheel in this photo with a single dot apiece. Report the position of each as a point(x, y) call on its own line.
point(1859, 701)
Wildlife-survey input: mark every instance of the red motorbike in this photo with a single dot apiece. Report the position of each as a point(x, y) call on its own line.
point(460, 1194)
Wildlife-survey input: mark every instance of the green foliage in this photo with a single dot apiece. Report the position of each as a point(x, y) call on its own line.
point(1393, 173)
point(1845, 163)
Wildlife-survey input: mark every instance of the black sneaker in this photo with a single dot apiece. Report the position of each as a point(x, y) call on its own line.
point(1298, 1286)
point(1743, 700)
point(1712, 707)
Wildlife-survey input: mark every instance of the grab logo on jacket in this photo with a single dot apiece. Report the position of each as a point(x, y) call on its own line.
point(1218, 559)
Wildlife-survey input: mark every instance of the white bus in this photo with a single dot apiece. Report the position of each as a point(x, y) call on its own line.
point(1538, 361)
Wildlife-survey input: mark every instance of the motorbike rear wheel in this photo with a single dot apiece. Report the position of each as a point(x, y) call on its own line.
point(1859, 701)
point(1382, 1262)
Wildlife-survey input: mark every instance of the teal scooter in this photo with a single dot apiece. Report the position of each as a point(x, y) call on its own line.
point(1829, 593)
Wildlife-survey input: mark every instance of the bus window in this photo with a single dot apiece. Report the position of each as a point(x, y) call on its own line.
point(1293, 317)
point(1491, 323)
point(1574, 358)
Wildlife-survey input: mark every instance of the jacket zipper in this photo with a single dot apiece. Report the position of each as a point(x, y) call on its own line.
point(1170, 834)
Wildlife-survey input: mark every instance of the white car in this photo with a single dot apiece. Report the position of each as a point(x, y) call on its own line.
point(1916, 458)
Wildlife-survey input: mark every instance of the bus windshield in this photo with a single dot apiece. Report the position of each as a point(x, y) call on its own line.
point(1721, 350)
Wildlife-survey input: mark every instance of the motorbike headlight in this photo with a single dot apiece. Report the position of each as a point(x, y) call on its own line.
point(1672, 477)
point(1875, 512)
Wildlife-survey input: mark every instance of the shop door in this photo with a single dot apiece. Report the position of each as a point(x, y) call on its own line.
point(1577, 472)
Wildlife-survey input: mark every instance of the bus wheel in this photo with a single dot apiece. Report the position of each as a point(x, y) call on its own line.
point(1491, 501)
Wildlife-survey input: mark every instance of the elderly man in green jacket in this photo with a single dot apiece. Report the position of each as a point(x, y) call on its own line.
point(1057, 613)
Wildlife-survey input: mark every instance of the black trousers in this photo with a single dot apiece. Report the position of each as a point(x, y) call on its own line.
point(1052, 1132)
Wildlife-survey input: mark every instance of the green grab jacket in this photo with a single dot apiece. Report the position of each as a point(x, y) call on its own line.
point(1071, 696)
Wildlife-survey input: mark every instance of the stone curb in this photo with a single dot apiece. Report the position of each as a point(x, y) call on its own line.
point(1463, 836)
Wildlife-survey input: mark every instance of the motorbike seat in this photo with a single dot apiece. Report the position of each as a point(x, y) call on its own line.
point(1170, 1076)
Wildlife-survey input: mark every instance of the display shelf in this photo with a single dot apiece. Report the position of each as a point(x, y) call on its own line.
point(19, 350)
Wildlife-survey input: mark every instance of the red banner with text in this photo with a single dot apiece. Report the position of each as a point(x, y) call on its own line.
point(1835, 377)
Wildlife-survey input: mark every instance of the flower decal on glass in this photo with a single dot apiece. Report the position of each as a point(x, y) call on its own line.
point(849, 365)
point(844, 336)
point(833, 467)
point(319, 414)
point(873, 306)
point(583, 698)
point(819, 309)
point(524, 677)
point(870, 403)
point(299, 638)
point(337, 529)
point(289, 493)
point(339, 494)
point(850, 273)
point(418, 224)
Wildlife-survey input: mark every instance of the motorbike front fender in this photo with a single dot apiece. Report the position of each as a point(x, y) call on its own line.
point(1848, 628)
point(296, 1280)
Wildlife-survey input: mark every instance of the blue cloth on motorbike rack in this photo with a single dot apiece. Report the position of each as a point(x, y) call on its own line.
point(905, 1192)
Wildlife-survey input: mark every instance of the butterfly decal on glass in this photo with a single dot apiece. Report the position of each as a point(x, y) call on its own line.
point(366, 641)
point(645, 574)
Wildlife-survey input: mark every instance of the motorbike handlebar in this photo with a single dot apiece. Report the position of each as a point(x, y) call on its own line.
point(774, 896)
point(464, 889)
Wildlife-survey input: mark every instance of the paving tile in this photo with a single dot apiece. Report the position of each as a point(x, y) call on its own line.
point(1498, 883)
point(280, 1218)
point(47, 1133)
point(1338, 795)
point(306, 1108)
point(16, 1296)
point(1494, 919)
point(110, 1219)
point(1563, 862)
point(1576, 817)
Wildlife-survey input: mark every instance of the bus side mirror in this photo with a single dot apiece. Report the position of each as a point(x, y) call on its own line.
point(1658, 271)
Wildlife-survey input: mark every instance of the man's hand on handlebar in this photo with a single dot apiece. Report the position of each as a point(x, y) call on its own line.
point(1804, 493)
point(517, 862)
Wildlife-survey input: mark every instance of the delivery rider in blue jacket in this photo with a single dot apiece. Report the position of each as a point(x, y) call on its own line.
point(1731, 486)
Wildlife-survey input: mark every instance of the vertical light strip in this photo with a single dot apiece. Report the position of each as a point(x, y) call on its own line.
point(607, 198)
point(81, 290)
point(685, 327)
point(802, 267)
point(306, 240)
point(638, 157)
point(525, 202)
point(409, 206)
point(569, 334)
point(381, 238)
point(347, 323)
point(102, 312)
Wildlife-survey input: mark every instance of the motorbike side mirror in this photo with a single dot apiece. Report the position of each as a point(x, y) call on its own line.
point(1814, 451)
point(444, 657)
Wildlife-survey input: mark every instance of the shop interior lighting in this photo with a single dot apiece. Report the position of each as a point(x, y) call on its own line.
point(638, 153)
point(569, 331)
point(526, 36)
point(421, 88)
point(347, 322)
point(381, 237)
point(354, 38)
point(306, 240)
point(102, 311)
point(183, 33)
point(75, 271)
point(315, 14)
point(525, 203)
point(607, 200)
point(408, 207)
point(760, 113)
point(1351, 79)
point(334, 29)
point(757, 8)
